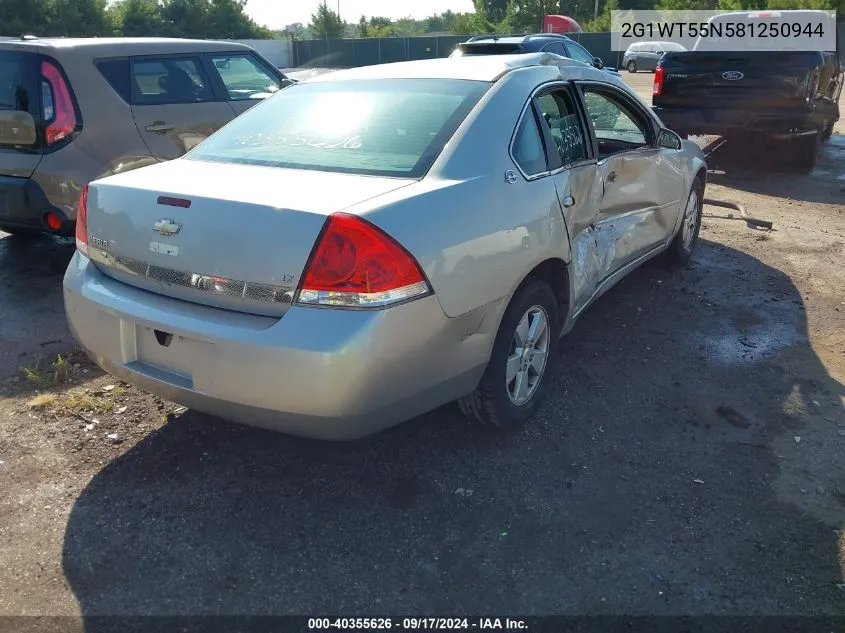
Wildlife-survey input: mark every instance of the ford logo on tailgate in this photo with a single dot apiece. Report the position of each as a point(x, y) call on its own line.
point(732, 75)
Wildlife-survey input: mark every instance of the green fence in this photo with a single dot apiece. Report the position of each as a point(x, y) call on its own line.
point(347, 53)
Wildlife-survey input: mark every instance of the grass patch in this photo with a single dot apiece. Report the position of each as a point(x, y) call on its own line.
point(58, 373)
point(42, 401)
point(79, 402)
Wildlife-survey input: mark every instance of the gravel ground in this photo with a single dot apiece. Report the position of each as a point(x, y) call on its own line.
point(690, 458)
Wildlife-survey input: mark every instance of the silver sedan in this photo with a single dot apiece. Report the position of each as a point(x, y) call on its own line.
point(373, 243)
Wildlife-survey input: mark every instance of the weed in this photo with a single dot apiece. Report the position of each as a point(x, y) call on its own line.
point(62, 370)
point(58, 374)
point(79, 402)
point(42, 401)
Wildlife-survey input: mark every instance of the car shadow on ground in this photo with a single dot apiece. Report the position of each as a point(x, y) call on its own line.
point(760, 168)
point(654, 480)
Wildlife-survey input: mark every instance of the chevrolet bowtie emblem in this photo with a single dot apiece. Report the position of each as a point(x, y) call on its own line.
point(166, 227)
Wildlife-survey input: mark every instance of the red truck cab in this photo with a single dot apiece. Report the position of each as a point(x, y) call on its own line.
point(560, 24)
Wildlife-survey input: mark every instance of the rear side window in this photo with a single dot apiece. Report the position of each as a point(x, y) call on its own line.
point(116, 72)
point(556, 48)
point(528, 150)
point(169, 80)
point(386, 127)
point(558, 111)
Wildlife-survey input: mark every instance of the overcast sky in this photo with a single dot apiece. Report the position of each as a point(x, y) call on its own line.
point(277, 14)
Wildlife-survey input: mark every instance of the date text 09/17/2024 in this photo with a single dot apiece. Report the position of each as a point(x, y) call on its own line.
point(418, 624)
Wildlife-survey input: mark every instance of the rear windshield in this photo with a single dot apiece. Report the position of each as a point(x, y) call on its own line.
point(383, 127)
point(487, 49)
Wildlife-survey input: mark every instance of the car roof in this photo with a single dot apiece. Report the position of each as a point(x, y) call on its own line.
point(121, 45)
point(474, 68)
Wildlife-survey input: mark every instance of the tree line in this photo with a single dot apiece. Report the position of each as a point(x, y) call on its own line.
point(524, 16)
point(207, 19)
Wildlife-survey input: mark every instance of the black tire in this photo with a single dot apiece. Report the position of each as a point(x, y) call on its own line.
point(491, 403)
point(680, 250)
point(803, 151)
point(632, 66)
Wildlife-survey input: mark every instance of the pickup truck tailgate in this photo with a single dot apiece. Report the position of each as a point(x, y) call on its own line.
point(754, 79)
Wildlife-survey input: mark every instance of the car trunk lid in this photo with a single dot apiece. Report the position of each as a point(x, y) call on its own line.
point(230, 236)
point(722, 80)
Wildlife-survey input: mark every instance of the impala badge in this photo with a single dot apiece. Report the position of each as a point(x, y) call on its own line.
point(166, 227)
point(732, 75)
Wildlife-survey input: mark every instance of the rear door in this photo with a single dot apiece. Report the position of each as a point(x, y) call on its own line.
point(175, 104)
point(573, 171)
point(245, 79)
point(19, 76)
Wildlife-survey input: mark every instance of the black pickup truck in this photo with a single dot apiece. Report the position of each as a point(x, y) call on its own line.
point(786, 96)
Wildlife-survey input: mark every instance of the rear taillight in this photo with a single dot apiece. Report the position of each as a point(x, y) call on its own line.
point(355, 264)
point(82, 222)
point(657, 88)
point(56, 104)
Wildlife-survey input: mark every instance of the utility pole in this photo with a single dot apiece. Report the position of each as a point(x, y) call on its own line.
point(595, 11)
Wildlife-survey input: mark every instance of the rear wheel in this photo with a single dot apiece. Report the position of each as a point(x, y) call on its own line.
point(632, 66)
point(681, 248)
point(516, 379)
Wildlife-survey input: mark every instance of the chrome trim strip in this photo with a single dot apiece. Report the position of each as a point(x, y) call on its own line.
point(198, 282)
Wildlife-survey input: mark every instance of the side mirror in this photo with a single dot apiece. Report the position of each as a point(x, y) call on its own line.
point(16, 128)
point(669, 140)
point(598, 63)
point(223, 64)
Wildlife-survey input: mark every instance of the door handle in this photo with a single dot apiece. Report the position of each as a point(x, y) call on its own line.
point(159, 128)
point(568, 201)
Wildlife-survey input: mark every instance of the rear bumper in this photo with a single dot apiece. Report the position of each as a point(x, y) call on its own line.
point(24, 205)
point(726, 122)
point(320, 373)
